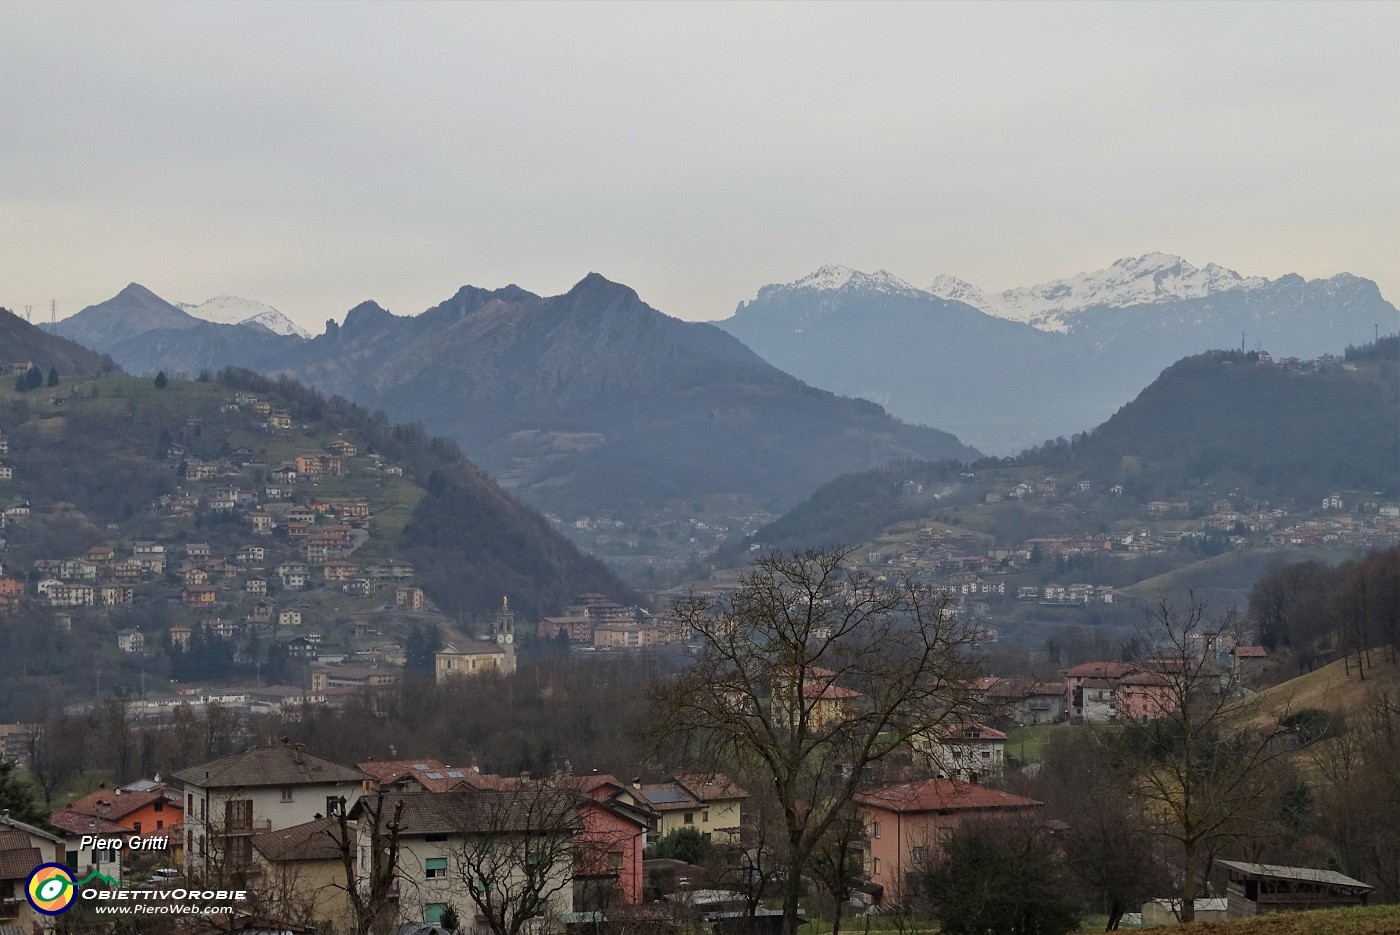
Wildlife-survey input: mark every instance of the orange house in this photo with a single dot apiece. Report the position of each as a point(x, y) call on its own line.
point(11, 587)
point(142, 807)
point(906, 824)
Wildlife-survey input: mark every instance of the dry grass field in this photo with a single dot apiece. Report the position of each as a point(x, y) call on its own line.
point(1364, 920)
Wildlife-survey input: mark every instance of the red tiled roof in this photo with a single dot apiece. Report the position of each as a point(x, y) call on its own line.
point(710, 787)
point(1146, 677)
point(113, 805)
point(958, 732)
point(1250, 652)
point(18, 864)
point(75, 822)
point(431, 774)
point(942, 795)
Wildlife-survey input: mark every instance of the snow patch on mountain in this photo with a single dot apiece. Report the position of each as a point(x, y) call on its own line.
point(232, 310)
point(834, 277)
point(1145, 280)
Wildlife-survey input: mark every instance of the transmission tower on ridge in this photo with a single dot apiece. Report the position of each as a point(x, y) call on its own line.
point(28, 310)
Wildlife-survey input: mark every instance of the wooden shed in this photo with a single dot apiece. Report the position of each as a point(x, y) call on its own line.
point(1256, 889)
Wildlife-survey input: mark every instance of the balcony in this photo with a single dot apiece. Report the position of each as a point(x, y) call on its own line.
point(230, 829)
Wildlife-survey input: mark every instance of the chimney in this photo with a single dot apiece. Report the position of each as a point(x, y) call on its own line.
point(296, 753)
point(636, 782)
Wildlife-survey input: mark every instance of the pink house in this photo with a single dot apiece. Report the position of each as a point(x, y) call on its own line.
point(1145, 695)
point(610, 845)
point(906, 824)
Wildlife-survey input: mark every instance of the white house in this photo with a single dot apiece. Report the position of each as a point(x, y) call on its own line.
point(262, 789)
point(965, 751)
point(523, 838)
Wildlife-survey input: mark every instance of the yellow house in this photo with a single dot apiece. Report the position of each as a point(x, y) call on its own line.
point(711, 804)
point(302, 872)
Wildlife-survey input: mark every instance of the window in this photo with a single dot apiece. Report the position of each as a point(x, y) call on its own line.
point(189, 804)
point(333, 805)
point(434, 838)
point(238, 814)
point(877, 831)
point(705, 815)
point(689, 818)
point(71, 859)
point(160, 805)
point(136, 826)
point(432, 912)
point(160, 825)
point(986, 754)
point(240, 851)
point(437, 868)
point(875, 865)
point(919, 854)
point(614, 861)
point(286, 793)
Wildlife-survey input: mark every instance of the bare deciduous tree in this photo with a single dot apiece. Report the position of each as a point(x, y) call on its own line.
point(516, 852)
point(1200, 763)
point(370, 885)
point(808, 673)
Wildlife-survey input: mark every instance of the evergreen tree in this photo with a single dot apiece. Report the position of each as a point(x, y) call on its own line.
point(34, 378)
point(53, 376)
point(17, 795)
point(161, 380)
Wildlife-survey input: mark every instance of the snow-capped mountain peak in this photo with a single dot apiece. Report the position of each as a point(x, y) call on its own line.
point(958, 290)
point(833, 277)
point(1142, 280)
point(232, 310)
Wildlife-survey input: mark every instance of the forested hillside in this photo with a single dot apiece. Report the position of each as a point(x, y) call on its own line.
point(1219, 424)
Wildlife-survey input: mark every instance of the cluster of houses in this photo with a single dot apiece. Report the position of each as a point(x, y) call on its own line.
point(298, 833)
point(595, 621)
point(289, 547)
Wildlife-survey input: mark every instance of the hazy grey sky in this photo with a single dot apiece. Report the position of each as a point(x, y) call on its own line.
point(315, 155)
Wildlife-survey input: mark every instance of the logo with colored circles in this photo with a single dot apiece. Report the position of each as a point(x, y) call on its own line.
point(50, 889)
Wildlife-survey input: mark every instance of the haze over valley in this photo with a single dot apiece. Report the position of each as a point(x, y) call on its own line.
point(654, 469)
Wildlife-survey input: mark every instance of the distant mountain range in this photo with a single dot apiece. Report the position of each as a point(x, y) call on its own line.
point(583, 401)
point(1007, 370)
point(144, 333)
